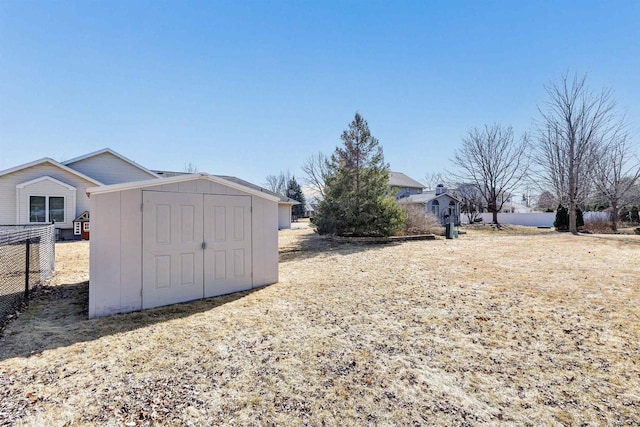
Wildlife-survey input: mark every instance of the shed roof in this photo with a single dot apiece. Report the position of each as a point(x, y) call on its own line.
point(84, 216)
point(283, 199)
point(398, 179)
point(180, 178)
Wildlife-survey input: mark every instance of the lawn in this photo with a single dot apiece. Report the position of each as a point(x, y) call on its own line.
point(495, 327)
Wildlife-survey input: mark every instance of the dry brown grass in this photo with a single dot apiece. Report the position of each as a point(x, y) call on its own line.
point(488, 328)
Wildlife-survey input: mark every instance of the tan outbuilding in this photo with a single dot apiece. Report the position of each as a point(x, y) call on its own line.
point(156, 243)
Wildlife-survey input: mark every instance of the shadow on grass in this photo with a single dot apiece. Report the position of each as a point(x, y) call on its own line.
point(57, 316)
point(312, 245)
point(620, 239)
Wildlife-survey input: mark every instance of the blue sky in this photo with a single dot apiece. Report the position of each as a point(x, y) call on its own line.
point(253, 88)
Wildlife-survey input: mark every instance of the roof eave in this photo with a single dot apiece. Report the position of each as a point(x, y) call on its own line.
point(53, 162)
point(177, 179)
point(114, 153)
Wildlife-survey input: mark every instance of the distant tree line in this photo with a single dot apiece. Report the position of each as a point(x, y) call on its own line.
point(578, 154)
point(581, 153)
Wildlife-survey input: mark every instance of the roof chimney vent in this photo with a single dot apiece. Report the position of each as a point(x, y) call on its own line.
point(440, 189)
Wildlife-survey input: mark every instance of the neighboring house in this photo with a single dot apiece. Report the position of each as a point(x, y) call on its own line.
point(284, 205)
point(440, 203)
point(511, 205)
point(310, 208)
point(45, 190)
point(403, 186)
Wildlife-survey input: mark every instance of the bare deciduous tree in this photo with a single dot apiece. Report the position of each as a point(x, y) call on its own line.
point(546, 201)
point(431, 180)
point(278, 183)
point(190, 168)
point(317, 170)
point(471, 201)
point(570, 134)
point(616, 172)
point(493, 162)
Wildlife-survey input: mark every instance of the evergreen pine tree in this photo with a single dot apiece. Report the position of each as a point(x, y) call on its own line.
point(294, 191)
point(357, 200)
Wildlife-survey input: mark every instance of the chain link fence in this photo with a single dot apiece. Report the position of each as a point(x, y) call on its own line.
point(27, 258)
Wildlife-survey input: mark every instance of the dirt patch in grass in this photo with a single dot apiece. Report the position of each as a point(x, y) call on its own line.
point(488, 328)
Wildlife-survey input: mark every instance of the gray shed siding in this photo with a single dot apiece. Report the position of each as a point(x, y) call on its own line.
point(8, 208)
point(109, 169)
point(115, 284)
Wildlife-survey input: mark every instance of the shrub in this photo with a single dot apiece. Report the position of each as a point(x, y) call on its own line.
point(598, 225)
point(562, 218)
point(561, 222)
point(420, 223)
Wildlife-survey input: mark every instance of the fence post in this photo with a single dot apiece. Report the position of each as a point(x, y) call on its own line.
point(26, 274)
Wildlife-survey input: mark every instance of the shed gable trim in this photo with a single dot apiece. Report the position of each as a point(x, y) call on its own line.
point(177, 179)
point(118, 155)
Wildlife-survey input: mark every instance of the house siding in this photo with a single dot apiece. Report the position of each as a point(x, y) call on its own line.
point(47, 188)
point(8, 182)
point(400, 192)
point(109, 169)
point(443, 208)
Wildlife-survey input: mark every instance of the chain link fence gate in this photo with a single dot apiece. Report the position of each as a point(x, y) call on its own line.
point(27, 258)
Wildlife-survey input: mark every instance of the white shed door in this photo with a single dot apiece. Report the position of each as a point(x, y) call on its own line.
point(227, 234)
point(176, 227)
point(172, 260)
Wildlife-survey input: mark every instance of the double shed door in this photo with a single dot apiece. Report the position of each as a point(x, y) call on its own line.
point(194, 246)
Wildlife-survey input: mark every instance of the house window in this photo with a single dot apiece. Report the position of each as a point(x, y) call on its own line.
point(37, 209)
point(46, 209)
point(76, 228)
point(452, 208)
point(85, 226)
point(56, 209)
point(435, 208)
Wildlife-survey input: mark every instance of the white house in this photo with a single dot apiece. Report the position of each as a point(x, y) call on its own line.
point(45, 190)
point(442, 204)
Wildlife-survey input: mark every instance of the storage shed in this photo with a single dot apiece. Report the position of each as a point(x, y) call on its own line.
point(160, 242)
